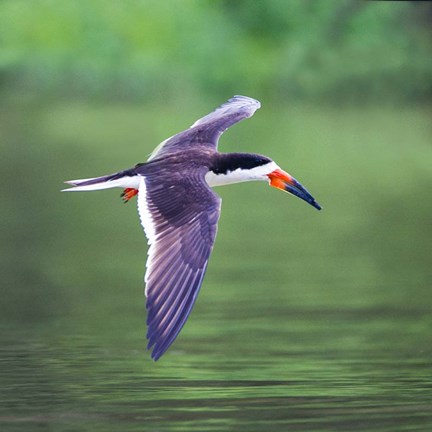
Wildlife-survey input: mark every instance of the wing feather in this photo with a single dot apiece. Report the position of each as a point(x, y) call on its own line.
point(207, 130)
point(179, 214)
point(178, 320)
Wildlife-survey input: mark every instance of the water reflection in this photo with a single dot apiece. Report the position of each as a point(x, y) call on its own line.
point(306, 321)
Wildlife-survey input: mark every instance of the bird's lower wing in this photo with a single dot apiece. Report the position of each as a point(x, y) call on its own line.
point(179, 216)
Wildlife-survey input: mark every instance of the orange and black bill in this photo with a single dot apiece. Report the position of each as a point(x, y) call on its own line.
point(282, 180)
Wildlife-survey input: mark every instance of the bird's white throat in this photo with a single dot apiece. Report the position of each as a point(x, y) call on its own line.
point(241, 175)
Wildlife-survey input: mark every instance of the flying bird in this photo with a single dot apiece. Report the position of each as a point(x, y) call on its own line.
point(179, 210)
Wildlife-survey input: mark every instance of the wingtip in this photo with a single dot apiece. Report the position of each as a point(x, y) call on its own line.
point(246, 98)
point(156, 352)
point(251, 101)
point(152, 346)
point(155, 356)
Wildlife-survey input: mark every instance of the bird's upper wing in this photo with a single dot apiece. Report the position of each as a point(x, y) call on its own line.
point(207, 130)
point(179, 216)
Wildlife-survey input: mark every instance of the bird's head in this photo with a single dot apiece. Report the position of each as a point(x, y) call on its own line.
point(230, 168)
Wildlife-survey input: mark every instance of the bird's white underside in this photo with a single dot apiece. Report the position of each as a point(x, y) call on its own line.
point(212, 179)
point(148, 225)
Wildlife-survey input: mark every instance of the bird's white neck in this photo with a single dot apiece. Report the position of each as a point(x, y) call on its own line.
point(240, 175)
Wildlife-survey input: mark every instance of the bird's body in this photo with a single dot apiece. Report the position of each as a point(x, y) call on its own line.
point(179, 211)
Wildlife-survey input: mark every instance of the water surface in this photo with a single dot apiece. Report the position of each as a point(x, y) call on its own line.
point(307, 321)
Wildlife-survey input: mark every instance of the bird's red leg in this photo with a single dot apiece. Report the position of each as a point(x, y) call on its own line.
point(128, 193)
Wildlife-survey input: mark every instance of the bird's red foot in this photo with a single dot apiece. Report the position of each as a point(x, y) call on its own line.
point(128, 193)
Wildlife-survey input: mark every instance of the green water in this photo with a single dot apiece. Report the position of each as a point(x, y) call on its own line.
point(307, 320)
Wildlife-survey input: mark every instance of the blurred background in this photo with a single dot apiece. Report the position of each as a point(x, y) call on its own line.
point(148, 52)
point(91, 87)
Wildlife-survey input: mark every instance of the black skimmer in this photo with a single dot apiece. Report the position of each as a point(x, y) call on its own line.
point(179, 210)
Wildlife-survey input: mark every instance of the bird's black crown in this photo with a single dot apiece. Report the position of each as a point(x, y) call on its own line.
point(229, 162)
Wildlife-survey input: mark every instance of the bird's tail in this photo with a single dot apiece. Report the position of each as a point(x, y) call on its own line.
point(123, 179)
